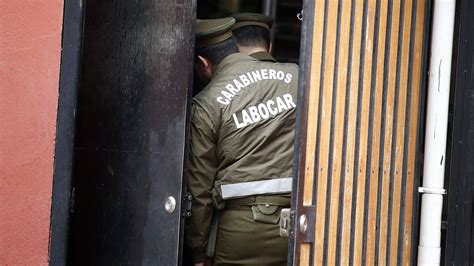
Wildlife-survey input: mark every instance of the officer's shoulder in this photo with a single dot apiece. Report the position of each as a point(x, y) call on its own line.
point(206, 97)
point(202, 97)
point(290, 67)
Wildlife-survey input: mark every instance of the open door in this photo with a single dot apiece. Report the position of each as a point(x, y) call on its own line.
point(129, 151)
point(358, 145)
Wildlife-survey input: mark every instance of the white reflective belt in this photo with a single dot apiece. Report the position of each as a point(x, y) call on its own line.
point(271, 186)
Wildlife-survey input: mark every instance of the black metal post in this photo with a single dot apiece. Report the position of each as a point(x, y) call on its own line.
point(460, 227)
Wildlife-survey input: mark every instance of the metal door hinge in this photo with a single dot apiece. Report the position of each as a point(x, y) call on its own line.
point(285, 222)
point(187, 204)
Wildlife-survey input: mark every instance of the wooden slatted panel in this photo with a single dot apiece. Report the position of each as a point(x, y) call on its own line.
point(387, 131)
point(373, 176)
point(311, 130)
point(419, 14)
point(352, 97)
point(322, 169)
point(394, 222)
point(363, 125)
point(362, 131)
point(339, 101)
point(313, 102)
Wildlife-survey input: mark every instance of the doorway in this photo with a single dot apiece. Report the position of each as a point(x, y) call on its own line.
point(285, 35)
point(130, 126)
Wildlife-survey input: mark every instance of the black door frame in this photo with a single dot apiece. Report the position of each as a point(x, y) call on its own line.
point(70, 69)
point(459, 245)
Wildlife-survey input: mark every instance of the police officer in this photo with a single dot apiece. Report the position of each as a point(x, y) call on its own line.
point(252, 31)
point(241, 150)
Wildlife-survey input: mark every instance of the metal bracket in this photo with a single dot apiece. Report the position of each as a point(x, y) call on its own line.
point(426, 190)
point(187, 204)
point(285, 222)
point(306, 223)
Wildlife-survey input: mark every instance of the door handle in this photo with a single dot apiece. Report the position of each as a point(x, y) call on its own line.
point(170, 204)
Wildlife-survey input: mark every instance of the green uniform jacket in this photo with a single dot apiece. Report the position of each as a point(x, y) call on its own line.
point(263, 56)
point(242, 134)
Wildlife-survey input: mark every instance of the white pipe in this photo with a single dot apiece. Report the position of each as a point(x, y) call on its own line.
point(429, 248)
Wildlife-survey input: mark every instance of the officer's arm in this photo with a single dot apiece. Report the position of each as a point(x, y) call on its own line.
point(202, 167)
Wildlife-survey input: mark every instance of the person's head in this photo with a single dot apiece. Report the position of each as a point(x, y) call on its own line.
point(214, 42)
point(252, 32)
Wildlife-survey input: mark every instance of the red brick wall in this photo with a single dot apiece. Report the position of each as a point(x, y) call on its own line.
point(30, 49)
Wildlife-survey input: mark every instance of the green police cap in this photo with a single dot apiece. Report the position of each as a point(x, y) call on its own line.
point(252, 19)
point(212, 31)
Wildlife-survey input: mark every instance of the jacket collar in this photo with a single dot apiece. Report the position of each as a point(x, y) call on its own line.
point(263, 56)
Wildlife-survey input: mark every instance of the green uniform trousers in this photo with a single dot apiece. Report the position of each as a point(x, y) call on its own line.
point(243, 241)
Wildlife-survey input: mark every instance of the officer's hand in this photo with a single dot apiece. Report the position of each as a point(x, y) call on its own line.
point(199, 264)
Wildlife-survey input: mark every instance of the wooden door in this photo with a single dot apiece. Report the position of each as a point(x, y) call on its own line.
point(358, 152)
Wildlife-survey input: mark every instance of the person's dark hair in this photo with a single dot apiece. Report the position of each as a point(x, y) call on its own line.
point(216, 52)
point(253, 36)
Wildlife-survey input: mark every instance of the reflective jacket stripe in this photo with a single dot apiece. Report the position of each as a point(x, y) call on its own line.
point(271, 186)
